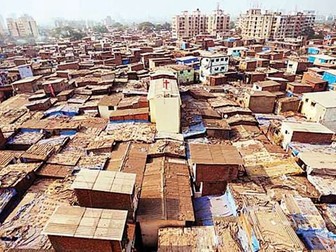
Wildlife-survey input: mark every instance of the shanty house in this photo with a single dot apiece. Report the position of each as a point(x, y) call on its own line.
point(165, 199)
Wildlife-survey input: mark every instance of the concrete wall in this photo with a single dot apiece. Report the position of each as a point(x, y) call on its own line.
point(215, 173)
point(104, 111)
point(292, 66)
point(185, 76)
point(213, 65)
point(260, 104)
point(303, 137)
point(287, 134)
point(167, 114)
point(330, 115)
point(150, 228)
point(313, 113)
point(69, 244)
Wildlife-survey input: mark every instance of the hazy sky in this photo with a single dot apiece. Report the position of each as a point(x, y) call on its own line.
point(128, 10)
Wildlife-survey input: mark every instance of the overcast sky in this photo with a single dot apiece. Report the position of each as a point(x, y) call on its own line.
point(155, 10)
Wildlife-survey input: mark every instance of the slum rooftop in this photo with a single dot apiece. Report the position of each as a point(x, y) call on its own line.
point(136, 130)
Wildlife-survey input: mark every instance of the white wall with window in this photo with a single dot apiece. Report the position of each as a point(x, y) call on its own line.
point(213, 65)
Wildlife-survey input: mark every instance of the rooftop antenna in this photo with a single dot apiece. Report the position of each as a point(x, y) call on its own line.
point(218, 7)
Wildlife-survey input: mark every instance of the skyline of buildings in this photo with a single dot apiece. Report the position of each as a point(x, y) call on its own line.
point(271, 25)
point(195, 23)
point(254, 23)
point(24, 26)
point(146, 9)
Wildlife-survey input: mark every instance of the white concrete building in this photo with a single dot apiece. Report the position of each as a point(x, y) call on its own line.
point(319, 106)
point(305, 132)
point(24, 26)
point(196, 23)
point(213, 64)
point(236, 51)
point(218, 22)
point(272, 25)
point(165, 105)
point(2, 26)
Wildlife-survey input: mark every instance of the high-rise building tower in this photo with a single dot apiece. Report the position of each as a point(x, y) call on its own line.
point(274, 25)
point(21, 27)
point(193, 24)
point(2, 26)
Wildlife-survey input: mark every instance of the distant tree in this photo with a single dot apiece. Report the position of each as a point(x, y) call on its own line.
point(100, 29)
point(146, 26)
point(68, 32)
point(166, 26)
point(238, 30)
point(309, 32)
point(158, 27)
point(2, 39)
point(232, 25)
point(119, 26)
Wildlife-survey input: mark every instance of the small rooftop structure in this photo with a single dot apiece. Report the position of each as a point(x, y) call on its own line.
point(305, 132)
point(80, 228)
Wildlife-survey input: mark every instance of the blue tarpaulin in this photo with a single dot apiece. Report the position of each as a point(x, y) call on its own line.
point(319, 240)
point(24, 130)
point(68, 132)
point(196, 128)
point(128, 121)
point(61, 111)
point(208, 207)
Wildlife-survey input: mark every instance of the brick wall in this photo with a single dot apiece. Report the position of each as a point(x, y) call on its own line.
point(216, 173)
point(261, 104)
point(106, 200)
point(70, 244)
point(307, 137)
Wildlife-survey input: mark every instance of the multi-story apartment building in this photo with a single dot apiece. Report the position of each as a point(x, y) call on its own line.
point(2, 26)
point(274, 25)
point(212, 65)
point(24, 26)
point(218, 22)
point(193, 24)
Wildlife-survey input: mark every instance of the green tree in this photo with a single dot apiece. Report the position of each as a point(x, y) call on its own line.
point(309, 32)
point(119, 26)
point(158, 27)
point(146, 26)
point(100, 29)
point(166, 26)
point(68, 32)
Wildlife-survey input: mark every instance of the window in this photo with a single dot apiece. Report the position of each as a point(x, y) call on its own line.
point(222, 59)
point(181, 72)
point(111, 107)
point(212, 60)
point(307, 100)
point(286, 132)
point(313, 104)
point(216, 69)
point(217, 60)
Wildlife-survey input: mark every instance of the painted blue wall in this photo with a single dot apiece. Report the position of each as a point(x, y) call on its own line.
point(313, 50)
